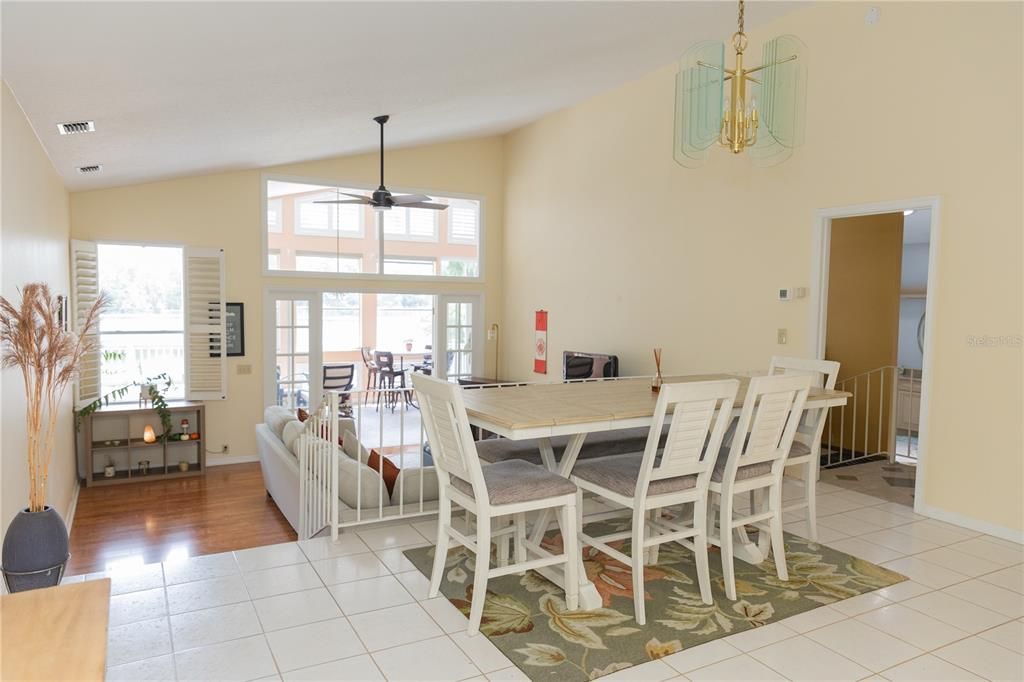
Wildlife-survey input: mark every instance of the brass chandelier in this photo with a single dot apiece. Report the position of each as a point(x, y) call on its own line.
point(705, 115)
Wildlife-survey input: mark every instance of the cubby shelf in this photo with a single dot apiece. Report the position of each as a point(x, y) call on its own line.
point(113, 434)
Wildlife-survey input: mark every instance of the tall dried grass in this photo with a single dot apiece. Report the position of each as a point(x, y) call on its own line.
point(34, 340)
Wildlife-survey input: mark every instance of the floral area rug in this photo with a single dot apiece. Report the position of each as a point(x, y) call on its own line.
point(526, 618)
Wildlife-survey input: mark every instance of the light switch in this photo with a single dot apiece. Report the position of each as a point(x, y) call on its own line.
point(243, 369)
point(783, 336)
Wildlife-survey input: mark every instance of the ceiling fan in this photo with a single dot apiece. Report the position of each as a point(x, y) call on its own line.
point(382, 199)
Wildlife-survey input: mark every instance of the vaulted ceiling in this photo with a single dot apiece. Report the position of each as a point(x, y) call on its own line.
point(184, 88)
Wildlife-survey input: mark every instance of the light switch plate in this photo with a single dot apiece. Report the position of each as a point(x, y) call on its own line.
point(243, 369)
point(783, 336)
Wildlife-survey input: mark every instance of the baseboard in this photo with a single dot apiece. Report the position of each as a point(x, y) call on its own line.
point(231, 459)
point(69, 517)
point(971, 524)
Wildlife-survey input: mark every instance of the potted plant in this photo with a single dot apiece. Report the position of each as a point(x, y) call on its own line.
point(35, 341)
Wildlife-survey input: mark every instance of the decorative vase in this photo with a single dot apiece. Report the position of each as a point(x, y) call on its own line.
point(35, 550)
point(182, 465)
point(109, 471)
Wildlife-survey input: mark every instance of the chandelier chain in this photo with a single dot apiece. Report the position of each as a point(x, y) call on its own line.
point(740, 19)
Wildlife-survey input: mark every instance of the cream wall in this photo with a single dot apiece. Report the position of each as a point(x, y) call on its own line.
point(224, 210)
point(34, 230)
point(628, 251)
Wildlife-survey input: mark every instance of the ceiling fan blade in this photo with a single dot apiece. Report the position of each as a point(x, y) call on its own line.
point(426, 204)
point(363, 200)
point(406, 199)
point(354, 196)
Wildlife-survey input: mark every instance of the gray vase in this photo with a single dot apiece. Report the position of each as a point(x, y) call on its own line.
point(35, 550)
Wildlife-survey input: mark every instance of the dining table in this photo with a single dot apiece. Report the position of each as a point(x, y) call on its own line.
point(576, 408)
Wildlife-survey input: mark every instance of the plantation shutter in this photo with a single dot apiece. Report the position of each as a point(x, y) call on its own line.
point(463, 222)
point(206, 371)
point(85, 289)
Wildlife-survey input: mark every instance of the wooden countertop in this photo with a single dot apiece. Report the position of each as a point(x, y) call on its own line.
point(57, 633)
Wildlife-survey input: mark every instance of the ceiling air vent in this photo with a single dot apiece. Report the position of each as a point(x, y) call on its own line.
point(86, 170)
point(75, 127)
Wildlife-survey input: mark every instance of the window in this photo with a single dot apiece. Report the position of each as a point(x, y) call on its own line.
point(354, 239)
point(341, 328)
point(314, 218)
point(409, 266)
point(463, 221)
point(142, 329)
point(318, 262)
point(459, 267)
point(273, 215)
point(404, 318)
point(411, 223)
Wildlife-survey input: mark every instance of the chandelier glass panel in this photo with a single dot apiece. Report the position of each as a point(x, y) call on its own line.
point(756, 110)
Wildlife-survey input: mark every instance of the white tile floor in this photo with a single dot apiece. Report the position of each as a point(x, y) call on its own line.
point(357, 610)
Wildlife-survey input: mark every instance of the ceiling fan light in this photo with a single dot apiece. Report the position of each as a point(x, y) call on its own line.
point(381, 207)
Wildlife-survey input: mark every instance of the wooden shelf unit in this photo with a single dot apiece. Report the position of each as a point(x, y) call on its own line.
point(114, 434)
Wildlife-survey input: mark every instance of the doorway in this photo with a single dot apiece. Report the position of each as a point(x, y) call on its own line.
point(874, 268)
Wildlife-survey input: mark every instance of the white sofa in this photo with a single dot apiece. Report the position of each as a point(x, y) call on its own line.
point(277, 441)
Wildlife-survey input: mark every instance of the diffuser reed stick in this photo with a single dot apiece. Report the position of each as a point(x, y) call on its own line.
point(656, 381)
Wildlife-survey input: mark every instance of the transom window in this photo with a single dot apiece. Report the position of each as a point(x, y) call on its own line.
point(353, 239)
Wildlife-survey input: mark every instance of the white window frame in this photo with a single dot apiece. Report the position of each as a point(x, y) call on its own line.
point(479, 227)
point(279, 227)
point(405, 236)
point(332, 217)
point(457, 259)
point(412, 259)
point(183, 332)
point(481, 243)
point(320, 254)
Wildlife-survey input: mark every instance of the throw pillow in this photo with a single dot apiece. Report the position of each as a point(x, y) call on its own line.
point(390, 471)
point(302, 415)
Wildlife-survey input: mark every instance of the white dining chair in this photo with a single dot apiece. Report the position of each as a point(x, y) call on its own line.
point(506, 489)
point(806, 449)
point(653, 480)
point(754, 462)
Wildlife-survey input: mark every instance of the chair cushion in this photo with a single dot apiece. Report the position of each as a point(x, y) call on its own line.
point(620, 472)
point(518, 481)
point(748, 471)
point(799, 450)
point(598, 444)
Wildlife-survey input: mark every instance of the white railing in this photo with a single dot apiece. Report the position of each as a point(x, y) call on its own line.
point(867, 426)
point(387, 422)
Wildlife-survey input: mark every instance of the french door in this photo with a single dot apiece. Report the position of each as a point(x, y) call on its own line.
point(293, 341)
point(458, 337)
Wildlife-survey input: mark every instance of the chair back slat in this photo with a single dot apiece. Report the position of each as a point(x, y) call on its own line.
point(451, 441)
point(771, 413)
point(385, 360)
point(824, 373)
point(700, 414)
point(339, 376)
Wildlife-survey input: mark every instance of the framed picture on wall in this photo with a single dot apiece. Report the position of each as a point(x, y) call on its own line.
point(235, 325)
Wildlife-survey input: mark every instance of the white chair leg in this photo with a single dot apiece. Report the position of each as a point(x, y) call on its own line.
point(638, 553)
point(483, 561)
point(700, 551)
point(503, 549)
point(520, 537)
point(444, 521)
point(778, 542)
point(725, 538)
point(651, 555)
point(570, 546)
point(811, 490)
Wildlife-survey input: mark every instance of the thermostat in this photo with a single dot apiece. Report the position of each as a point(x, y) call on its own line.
point(785, 294)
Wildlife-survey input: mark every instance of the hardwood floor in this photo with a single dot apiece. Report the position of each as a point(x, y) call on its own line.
point(227, 509)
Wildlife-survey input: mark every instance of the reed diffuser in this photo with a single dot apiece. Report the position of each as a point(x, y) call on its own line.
point(656, 381)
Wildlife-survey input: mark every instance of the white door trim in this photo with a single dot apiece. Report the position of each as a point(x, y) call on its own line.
point(441, 338)
point(821, 239)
